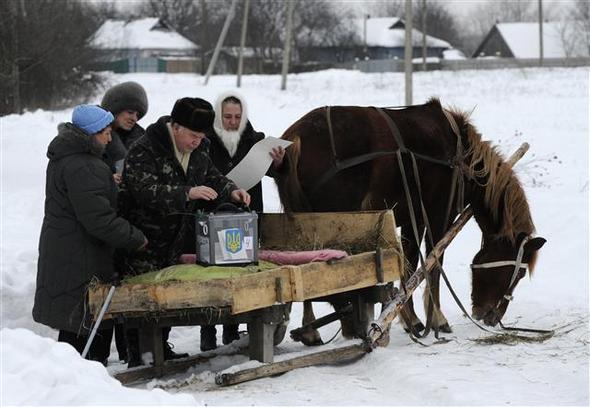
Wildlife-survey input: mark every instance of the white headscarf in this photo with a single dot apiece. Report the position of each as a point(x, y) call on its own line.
point(230, 139)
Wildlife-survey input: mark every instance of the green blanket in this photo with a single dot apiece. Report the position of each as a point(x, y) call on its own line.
point(195, 272)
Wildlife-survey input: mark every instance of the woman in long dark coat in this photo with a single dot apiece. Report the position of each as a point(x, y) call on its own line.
point(80, 229)
point(232, 137)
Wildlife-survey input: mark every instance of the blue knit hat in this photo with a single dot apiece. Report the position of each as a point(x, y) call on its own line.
point(91, 118)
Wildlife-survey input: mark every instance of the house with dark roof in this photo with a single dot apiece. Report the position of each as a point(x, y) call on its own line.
point(373, 38)
point(521, 41)
point(144, 45)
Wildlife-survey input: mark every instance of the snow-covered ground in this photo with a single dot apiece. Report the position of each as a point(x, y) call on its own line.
point(546, 107)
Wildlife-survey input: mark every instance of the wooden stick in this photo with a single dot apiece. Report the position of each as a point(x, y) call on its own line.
point(398, 301)
point(272, 369)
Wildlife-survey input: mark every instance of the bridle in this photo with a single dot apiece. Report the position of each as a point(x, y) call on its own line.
point(518, 265)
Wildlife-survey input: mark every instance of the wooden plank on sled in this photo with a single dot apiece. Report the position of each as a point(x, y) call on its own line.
point(271, 369)
point(354, 232)
point(312, 280)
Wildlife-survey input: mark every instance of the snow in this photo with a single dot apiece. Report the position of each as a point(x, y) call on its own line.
point(145, 33)
point(558, 39)
point(379, 33)
point(546, 107)
point(453, 54)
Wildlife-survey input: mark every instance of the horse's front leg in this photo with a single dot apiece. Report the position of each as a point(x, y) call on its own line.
point(438, 321)
point(409, 319)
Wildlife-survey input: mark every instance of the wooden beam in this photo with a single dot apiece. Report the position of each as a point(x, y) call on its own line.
point(343, 230)
point(271, 369)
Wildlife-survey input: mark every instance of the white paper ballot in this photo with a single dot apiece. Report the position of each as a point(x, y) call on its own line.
point(253, 167)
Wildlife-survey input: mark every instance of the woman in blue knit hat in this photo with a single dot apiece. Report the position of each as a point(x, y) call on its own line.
point(80, 229)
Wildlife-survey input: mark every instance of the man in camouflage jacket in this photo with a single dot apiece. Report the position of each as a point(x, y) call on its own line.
point(169, 176)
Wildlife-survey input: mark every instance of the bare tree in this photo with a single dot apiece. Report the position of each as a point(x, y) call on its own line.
point(52, 58)
point(441, 23)
point(580, 16)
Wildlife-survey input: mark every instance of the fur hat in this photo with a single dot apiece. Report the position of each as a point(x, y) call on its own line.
point(91, 118)
point(194, 113)
point(126, 96)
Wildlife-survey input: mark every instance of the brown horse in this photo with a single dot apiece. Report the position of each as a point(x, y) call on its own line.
point(344, 159)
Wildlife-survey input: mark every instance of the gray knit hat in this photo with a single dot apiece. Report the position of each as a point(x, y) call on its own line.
point(126, 96)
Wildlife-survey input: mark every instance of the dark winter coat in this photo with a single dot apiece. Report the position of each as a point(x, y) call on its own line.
point(121, 143)
point(221, 159)
point(158, 187)
point(80, 230)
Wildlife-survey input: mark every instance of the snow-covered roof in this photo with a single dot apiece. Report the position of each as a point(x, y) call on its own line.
point(145, 33)
point(559, 39)
point(381, 34)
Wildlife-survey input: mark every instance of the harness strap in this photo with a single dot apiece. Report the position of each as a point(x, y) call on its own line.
point(494, 264)
point(394, 130)
point(339, 165)
point(331, 133)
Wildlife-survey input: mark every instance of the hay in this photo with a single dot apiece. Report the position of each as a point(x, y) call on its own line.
point(512, 339)
point(196, 272)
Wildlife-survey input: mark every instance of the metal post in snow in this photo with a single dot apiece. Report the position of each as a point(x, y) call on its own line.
point(287, 47)
point(540, 32)
point(230, 16)
point(243, 42)
point(408, 52)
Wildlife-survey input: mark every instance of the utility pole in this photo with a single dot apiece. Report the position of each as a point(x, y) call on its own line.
point(16, 102)
point(424, 55)
point(287, 47)
point(243, 42)
point(230, 16)
point(204, 34)
point(408, 52)
point(365, 22)
point(540, 32)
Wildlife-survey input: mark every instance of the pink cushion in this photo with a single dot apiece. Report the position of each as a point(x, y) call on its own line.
point(294, 258)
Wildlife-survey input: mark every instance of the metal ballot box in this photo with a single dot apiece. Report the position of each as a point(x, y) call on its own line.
point(227, 238)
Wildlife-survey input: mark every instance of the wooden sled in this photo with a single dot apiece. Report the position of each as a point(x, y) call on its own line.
point(262, 299)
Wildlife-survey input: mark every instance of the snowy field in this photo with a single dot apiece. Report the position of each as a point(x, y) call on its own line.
point(546, 107)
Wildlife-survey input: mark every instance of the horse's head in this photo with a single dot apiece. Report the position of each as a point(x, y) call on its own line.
point(496, 270)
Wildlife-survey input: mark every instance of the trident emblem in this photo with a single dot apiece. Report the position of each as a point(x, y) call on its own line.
point(233, 240)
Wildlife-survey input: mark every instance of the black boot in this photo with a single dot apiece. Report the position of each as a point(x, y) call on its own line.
point(169, 354)
point(121, 342)
point(208, 338)
point(230, 333)
point(133, 355)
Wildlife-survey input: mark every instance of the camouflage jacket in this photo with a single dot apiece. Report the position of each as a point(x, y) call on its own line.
point(156, 200)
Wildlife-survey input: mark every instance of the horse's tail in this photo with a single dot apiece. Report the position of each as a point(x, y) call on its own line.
point(290, 191)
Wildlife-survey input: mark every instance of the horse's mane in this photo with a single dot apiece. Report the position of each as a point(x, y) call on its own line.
point(503, 194)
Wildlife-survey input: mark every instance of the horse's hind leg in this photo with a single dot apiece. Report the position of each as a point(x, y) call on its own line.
point(309, 336)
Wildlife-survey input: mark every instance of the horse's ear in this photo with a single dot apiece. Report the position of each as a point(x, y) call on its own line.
point(534, 244)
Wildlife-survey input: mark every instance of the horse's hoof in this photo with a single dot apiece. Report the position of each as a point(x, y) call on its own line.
point(446, 328)
point(418, 327)
point(307, 336)
point(383, 340)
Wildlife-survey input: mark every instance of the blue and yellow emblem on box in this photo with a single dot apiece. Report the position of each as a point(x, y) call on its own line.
point(233, 240)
